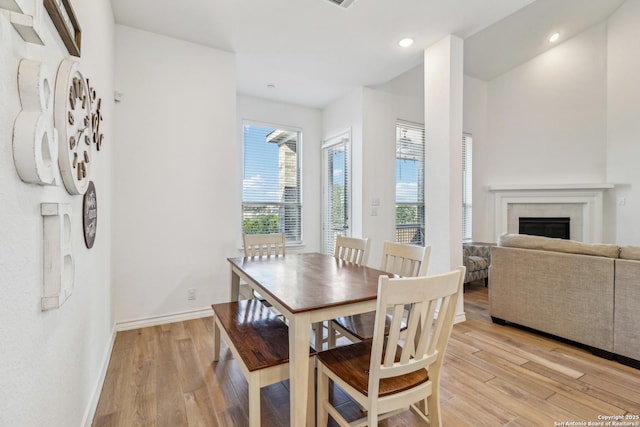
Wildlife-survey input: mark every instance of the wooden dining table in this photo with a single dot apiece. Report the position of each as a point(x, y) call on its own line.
point(306, 288)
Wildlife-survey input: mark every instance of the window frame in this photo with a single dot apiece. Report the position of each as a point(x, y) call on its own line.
point(299, 165)
point(420, 205)
point(328, 237)
point(467, 186)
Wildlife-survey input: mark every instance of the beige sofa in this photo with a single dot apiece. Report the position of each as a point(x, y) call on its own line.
point(627, 307)
point(584, 293)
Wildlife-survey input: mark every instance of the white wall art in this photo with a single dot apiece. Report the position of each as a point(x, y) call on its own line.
point(28, 23)
point(59, 265)
point(35, 140)
point(65, 21)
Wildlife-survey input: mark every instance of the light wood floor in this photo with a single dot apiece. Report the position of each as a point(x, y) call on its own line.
point(493, 376)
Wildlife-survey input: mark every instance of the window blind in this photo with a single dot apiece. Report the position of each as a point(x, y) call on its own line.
point(271, 199)
point(337, 191)
point(467, 191)
point(410, 145)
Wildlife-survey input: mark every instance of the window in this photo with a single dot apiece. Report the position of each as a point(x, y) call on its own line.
point(271, 200)
point(409, 183)
point(467, 192)
point(336, 190)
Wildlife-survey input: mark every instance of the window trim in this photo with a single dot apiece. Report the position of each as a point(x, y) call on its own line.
point(466, 135)
point(300, 163)
point(423, 204)
point(345, 137)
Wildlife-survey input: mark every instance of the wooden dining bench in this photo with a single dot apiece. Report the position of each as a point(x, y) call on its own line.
point(259, 341)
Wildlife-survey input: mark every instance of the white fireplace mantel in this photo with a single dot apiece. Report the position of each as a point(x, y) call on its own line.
point(588, 196)
point(550, 187)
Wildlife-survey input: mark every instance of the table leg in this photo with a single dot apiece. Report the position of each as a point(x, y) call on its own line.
point(299, 336)
point(216, 340)
point(235, 285)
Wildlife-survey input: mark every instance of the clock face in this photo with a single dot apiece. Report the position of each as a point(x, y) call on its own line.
point(90, 215)
point(72, 119)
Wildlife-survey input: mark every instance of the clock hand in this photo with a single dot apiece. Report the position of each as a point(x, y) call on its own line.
point(76, 138)
point(80, 132)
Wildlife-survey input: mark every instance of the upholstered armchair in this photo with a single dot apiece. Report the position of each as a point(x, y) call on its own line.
point(477, 258)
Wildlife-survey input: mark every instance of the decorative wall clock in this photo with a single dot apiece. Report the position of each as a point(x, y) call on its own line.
point(72, 119)
point(96, 117)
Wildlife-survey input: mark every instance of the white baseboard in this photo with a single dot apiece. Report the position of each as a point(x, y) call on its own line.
point(161, 320)
point(90, 412)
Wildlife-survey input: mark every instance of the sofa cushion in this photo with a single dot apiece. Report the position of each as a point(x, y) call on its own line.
point(524, 241)
point(630, 252)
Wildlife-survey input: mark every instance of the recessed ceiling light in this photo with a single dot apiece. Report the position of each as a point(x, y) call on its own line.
point(405, 42)
point(554, 37)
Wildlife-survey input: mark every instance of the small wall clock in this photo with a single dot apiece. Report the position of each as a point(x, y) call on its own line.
point(72, 119)
point(90, 215)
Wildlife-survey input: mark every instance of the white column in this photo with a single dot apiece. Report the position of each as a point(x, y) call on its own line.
point(443, 81)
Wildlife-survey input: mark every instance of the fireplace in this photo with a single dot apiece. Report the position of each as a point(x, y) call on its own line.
point(558, 227)
point(582, 203)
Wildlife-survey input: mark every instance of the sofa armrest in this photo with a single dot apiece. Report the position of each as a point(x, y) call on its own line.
point(626, 340)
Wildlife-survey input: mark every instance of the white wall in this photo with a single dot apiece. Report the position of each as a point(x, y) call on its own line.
point(177, 179)
point(310, 121)
point(52, 363)
point(554, 103)
point(401, 98)
point(623, 126)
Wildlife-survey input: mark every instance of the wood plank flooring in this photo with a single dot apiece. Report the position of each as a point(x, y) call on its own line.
point(493, 376)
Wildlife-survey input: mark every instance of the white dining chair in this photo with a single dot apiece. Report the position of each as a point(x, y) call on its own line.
point(401, 259)
point(264, 244)
point(272, 244)
point(388, 374)
point(351, 249)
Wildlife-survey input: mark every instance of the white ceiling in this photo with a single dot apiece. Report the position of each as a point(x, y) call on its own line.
point(314, 51)
point(525, 33)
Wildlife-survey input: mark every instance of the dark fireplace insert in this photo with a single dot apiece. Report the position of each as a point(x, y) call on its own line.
point(557, 227)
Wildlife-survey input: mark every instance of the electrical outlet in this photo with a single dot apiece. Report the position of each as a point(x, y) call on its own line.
point(191, 293)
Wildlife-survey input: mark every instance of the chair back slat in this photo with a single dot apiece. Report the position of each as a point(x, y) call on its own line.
point(405, 260)
point(427, 342)
point(264, 244)
point(432, 303)
point(394, 334)
point(352, 249)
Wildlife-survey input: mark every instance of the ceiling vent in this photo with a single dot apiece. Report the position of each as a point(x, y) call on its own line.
point(342, 3)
